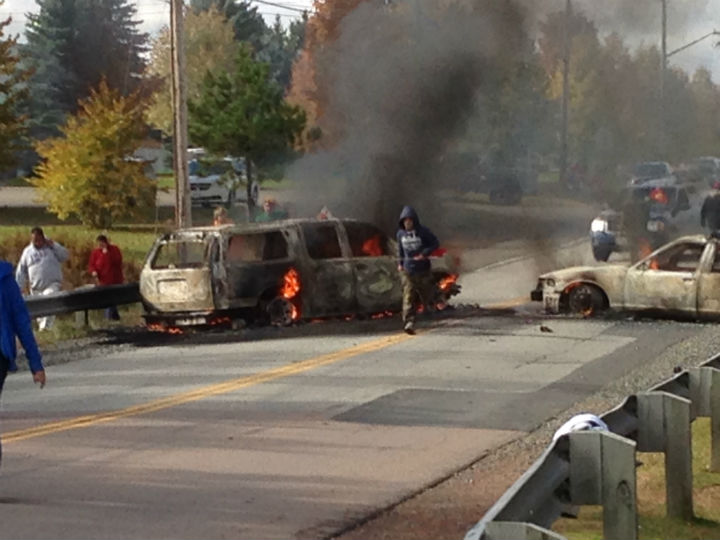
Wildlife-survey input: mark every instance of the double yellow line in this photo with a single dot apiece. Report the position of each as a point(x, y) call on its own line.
point(205, 391)
point(220, 388)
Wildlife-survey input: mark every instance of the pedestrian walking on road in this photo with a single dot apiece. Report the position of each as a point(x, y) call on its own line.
point(15, 322)
point(105, 266)
point(710, 211)
point(415, 244)
point(40, 268)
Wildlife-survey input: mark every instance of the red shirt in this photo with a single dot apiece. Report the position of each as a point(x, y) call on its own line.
point(108, 266)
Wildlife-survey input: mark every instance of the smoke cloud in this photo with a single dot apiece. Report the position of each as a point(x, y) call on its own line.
point(403, 81)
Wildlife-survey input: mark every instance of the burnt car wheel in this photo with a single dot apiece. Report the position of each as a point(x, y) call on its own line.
point(281, 312)
point(585, 300)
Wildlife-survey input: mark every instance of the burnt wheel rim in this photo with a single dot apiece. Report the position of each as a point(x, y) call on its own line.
point(582, 301)
point(280, 312)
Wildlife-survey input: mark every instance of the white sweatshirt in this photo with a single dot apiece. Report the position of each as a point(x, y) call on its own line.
point(43, 267)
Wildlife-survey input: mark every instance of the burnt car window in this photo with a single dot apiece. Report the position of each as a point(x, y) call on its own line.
point(268, 246)
point(190, 254)
point(366, 240)
point(682, 258)
point(322, 240)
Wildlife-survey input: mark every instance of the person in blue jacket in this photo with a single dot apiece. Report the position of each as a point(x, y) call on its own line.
point(415, 244)
point(15, 322)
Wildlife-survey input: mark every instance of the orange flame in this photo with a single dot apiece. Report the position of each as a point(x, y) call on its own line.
point(644, 249)
point(371, 247)
point(445, 283)
point(159, 327)
point(291, 286)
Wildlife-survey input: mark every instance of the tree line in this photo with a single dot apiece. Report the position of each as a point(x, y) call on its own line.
point(86, 85)
point(261, 90)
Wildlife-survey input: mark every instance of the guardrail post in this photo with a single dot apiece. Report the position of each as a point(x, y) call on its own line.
point(664, 426)
point(602, 471)
point(705, 396)
point(510, 530)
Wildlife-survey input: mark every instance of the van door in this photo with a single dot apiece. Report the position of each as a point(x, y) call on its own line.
point(328, 282)
point(377, 282)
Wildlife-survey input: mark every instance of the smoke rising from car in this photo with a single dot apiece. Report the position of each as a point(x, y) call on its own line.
point(404, 80)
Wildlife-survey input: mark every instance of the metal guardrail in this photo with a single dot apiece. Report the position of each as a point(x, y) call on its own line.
point(83, 299)
point(542, 494)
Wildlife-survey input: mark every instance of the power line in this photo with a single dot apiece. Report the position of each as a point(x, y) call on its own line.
point(283, 6)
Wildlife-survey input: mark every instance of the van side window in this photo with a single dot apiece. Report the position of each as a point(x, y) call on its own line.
point(366, 240)
point(268, 246)
point(322, 241)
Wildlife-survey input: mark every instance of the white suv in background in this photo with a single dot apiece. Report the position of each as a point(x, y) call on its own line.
point(216, 181)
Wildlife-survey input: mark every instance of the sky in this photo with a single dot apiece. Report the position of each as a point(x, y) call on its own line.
point(638, 21)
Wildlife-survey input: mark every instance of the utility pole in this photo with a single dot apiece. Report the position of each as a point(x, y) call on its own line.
point(565, 96)
point(663, 79)
point(183, 216)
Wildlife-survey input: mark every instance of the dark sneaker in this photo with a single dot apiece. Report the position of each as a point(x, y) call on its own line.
point(409, 328)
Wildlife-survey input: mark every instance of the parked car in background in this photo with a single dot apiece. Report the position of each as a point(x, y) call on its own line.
point(706, 170)
point(219, 181)
point(277, 273)
point(653, 173)
point(680, 278)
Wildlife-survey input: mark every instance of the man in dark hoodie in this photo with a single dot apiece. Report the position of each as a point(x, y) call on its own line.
point(15, 321)
point(415, 244)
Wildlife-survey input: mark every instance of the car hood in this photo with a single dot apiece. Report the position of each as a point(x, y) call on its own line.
point(587, 273)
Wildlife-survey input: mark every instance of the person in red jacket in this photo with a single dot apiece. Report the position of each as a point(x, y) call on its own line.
point(105, 267)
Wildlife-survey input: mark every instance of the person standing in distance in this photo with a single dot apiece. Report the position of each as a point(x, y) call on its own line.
point(106, 268)
point(41, 266)
point(415, 244)
point(15, 322)
point(710, 211)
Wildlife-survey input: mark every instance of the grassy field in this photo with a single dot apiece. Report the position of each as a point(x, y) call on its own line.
point(651, 499)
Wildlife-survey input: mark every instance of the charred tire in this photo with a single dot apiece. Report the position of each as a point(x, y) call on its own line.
point(601, 253)
point(280, 311)
point(585, 300)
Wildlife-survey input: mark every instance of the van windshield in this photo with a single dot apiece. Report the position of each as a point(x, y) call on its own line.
point(180, 254)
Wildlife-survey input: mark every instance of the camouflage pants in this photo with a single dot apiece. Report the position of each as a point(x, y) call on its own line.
point(415, 286)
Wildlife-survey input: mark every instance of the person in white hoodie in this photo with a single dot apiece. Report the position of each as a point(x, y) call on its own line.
point(40, 268)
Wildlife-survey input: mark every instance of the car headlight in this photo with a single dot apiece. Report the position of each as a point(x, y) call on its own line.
point(549, 282)
point(599, 225)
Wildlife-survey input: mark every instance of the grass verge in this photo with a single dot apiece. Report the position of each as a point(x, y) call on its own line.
point(651, 499)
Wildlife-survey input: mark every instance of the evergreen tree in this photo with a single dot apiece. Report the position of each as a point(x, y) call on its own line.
point(71, 46)
point(248, 24)
point(13, 91)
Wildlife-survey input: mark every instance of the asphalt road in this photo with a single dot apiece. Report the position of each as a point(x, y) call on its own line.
point(298, 432)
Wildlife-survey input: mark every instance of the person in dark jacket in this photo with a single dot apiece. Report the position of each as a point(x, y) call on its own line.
point(415, 244)
point(710, 212)
point(15, 322)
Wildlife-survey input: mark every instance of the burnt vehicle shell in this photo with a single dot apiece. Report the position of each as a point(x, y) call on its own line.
point(235, 272)
point(681, 278)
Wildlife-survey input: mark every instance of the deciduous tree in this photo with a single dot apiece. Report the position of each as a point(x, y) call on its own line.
point(87, 172)
point(209, 47)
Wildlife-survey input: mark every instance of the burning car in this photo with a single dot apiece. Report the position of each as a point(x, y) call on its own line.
point(277, 273)
point(680, 278)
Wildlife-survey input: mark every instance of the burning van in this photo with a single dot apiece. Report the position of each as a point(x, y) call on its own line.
point(277, 273)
